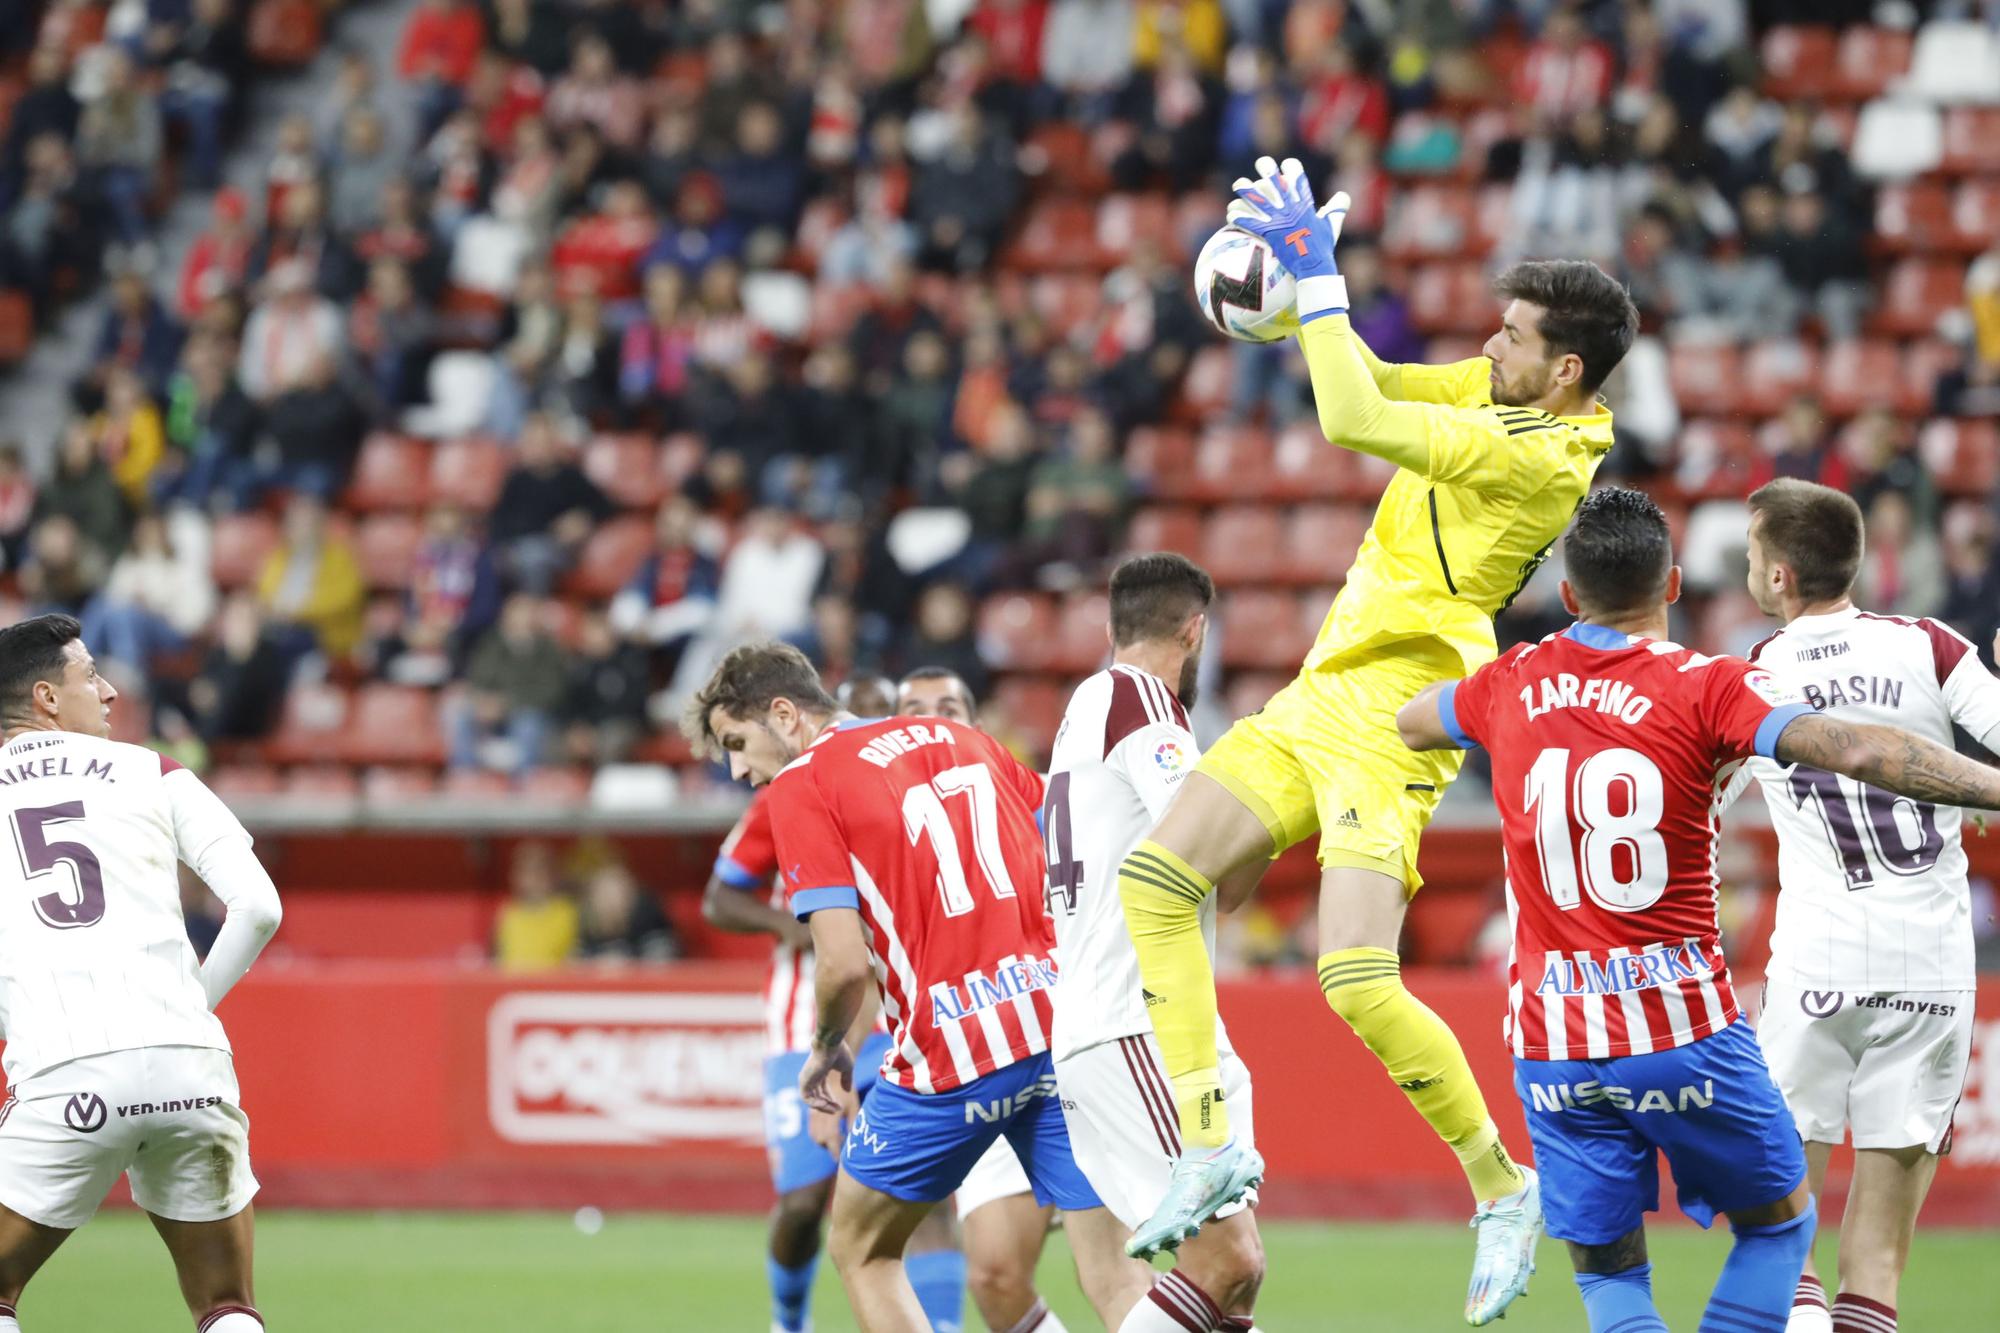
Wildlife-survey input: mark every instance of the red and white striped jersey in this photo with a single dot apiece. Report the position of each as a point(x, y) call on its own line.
point(749, 862)
point(927, 829)
point(1605, 753)
point(1874, 885)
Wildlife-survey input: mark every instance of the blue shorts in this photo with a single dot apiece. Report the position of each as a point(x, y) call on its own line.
point(1710, 1106)
point(917, 1147)
point(796, 1161)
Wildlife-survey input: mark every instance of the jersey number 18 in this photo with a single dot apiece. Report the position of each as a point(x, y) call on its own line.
point(1620, 860)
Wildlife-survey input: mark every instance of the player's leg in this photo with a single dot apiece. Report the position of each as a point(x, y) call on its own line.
point(802, 1176)
point(1883, 1201)
point(866, 1240)
point(24, 1247)
point(1003, 1244)
point(1761, 1275)
point(1616, 1279)
point(1812, 1311)
point(935, 1261)
point(212, 1260)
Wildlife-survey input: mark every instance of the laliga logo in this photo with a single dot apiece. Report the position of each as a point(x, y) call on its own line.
point(1169, 757)
point(582, 1068)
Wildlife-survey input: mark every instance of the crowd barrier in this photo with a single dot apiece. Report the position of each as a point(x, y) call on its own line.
point(415, 1085)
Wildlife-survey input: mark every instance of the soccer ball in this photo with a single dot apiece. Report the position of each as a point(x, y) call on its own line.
point(1243, 289)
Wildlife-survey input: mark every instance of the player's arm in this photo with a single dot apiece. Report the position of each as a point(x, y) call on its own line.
point(214, 843)
point(1971, 692)
point(842, 979)
point(1430, 721)
point(738, 908)
point(1415, 382)
point(1890, 758)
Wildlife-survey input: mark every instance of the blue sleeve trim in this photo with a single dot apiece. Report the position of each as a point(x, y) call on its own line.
point(1773, 726)
point(1448, 715)
point(807, 901)
point(1322, 314)
point(736, 876)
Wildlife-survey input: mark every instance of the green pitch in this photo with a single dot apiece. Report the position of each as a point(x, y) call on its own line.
point(332, 1273)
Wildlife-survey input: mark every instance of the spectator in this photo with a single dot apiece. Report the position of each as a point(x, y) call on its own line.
point(64, 569)
point(119, 143)
point(516, 683)
point(240, 689)
point(293, 166)
point(604, 708)
point(1566, 70)
point(537, 926)
point(671, 596)
point(653, 360)
point(291, 334)
point(762, 180)
point(530, 333)
point(50, 228)
point(1380, 314)
point(622, 923)
point(155, 601)
point(1881, 456)
point(391, 335)
point(546, 510)
point(582, 376)
point(1972, 572)
point(1798, 445)
point(767, 580)
point(1972, 388)
point(440, 45)
point(1078, 502)
point(17, 505)
point(137, 334)
point(360, 169)
point(403, 233)
point(593, 92)
point(992, 488)
point(1902, 566)
point(211, 426)
point(310, 586)
point(46, 107)
point(315, 431)
point(206, 62)
point(82, 490)
point(943, 636)
point(129, 435)
point(528, 192)
point(1823, 258)
point(753, 411)
point(219, 259)
point(1178, 107)
point(1738, 130)
point(916, 414)
point(600, 253)
point(454, 595)
point(301, 235)
point(962, 198)
point(1339, 99)
point(531, 32)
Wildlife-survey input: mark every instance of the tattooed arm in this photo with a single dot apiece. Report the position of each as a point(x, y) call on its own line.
point(1890, 758)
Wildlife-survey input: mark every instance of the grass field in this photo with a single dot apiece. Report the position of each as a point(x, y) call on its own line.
point(318, 1273)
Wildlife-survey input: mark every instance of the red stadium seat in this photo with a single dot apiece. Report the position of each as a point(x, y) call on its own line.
point(1914, 216)
point(1066, 302)
point(393, 724)
point(1706, 377)
point(284, 34)
point(1305, 467)
point(1972, 140)
point(1160, 458)
point(836, 307)
point(627, 468)
point(1916, 293)
point(241, 544)
point(238, 782)
point(1492, 214)
point(322, 782)
point(1034, 705)
point(1056, 235)
point(555, 786)
point(1061, 162)
point(1963, 456)
point(392, 472)
point(476, 784)
point(1165, 528)
point(1858, 375)
point(1451, 298)
point(1923, 362)
point(1798, 61)
point(385, 545)
point(1261, 628)
point(1975, 215)
point(1124, 221)
point(1320, 542)
point(610, 557)
point(669, 748)
point(1775, 372)
point(1868, 60)
point(1233, 462)
point(392, 786)
point(1483, 129)
point(469, 472)
point(1249, 691)
point(310, 727)
point(1243, 544)
point(17, 326)
point(1429, 221)
point(1210, 376)
point(1716, 459)
point(1017, 630)
point(1083, 641)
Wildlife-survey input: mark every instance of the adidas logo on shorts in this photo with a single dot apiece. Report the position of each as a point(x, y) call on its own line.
point(1350, 819)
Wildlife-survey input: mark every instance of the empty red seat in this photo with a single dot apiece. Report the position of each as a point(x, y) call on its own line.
point(626, 468)
point(469, 472)
point(1716, 459)
point(1452, 298)
point(1056, 235)
point(1971, 140)
point(669, 748)
point(1975, 214)
point(1305, 467)
point(310, 726)
point(611, 556)
point(1160, 457)
point(1083, 639)
point(392, 472)
point(389, 786)
point(1798, 61)
point(284, 34)
point(237, 782)
point(1059, 160)
point(321, 782)
point(1124, 221)
point(1775, 372)
point(1320, 542)
point(1261, 629)
point(1243, 544)
point(17, 325)
point(1963, 455)
point(1211, 375)
point(241, 544)
point(1016, 630)
point(1430, 221)
point(555, 786)
point(1165, 528)
point(393, 724)
point(1913, 216)
point(1233, 462)
point(1706, 377)
point(1868, 60)
point(1032, 707)
point(1860, 374)
point(476, 784)
point(385, 545)
point(1917, 291)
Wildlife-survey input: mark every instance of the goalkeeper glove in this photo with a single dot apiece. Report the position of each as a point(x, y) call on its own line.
point(1279, 209)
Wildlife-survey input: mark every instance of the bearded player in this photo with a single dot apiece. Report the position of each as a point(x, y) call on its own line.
point(1493, 454)
point(1607, 741)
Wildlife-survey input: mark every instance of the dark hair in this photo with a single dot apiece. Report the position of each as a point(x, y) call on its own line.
point(1153, 595)
point(1618, 551)
point(867, 695)
point(941, 673)
point(1814, 529)
point(1584, 310)
point(745, 683)
point(31, 651)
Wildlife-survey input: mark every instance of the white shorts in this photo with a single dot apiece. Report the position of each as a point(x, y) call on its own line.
point(1890, 1067)
point(166, 1115)
point(997, 1174)
point(1123, 1128)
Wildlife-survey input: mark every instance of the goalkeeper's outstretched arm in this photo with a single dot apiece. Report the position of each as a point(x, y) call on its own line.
point(1356, 409)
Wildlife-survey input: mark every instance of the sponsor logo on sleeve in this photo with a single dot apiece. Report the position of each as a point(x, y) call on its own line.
point(1771, 690)
point(1169, 757)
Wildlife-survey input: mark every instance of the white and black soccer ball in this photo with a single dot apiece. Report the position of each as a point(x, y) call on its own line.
point(1243, 290)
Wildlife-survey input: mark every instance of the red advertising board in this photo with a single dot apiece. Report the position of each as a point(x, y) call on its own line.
point(387, 1085)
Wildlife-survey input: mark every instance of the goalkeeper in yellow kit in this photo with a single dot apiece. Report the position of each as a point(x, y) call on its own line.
point(1493, 455)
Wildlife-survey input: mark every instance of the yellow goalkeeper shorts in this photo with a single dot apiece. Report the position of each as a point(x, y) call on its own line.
point(1323, 756)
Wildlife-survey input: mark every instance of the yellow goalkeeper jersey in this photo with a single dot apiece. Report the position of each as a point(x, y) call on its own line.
point(1481, 493)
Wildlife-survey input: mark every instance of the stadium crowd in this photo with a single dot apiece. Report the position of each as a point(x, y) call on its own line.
point(625, 331)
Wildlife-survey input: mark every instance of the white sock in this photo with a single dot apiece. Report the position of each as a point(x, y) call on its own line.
point(1174, 1305)
point(1041, 1319)
point(229, 1319)
point(8, 1323)
point(1809, 1310)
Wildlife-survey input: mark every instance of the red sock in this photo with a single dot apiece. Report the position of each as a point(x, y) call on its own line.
point(1858, 1314)
point(1810, 1293)
point(1186, 1304)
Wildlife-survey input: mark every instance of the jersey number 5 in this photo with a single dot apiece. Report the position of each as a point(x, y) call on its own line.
point(924, 814)
point(40, 857)
point(1620, 860)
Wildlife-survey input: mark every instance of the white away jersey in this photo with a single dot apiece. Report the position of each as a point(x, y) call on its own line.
point(1873, 886)
point(94, 953)
point(1122, 751)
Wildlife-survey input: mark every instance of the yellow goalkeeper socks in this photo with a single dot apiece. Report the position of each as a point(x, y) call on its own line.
point(1162, 895)
point(1365, 987)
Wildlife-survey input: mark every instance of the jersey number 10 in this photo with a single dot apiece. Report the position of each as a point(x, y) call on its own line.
point(1620, 860)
